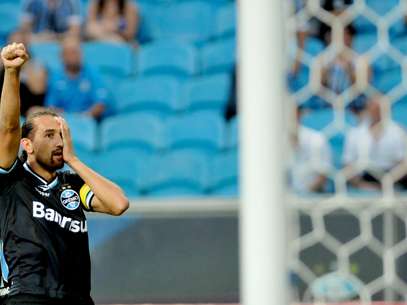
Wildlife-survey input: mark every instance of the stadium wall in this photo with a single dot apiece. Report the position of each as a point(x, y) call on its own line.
point(148, 257)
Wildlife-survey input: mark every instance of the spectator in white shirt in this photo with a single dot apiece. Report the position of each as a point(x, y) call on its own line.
point(375, 146)
point(311, 161)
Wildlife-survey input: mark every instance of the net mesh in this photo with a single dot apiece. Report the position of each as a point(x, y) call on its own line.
point(348, 241)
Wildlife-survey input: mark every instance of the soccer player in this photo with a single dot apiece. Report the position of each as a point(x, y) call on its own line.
point(42, 221)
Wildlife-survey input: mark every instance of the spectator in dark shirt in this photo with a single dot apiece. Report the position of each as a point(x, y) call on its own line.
point(112, 20)
point(48, 19)
point(77, 87)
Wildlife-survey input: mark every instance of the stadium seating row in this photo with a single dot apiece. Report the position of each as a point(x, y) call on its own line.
point(164, 57)
point(165, 96)
point(190, 21)
point(203, 131)
point(172, 173)
point(185, 68)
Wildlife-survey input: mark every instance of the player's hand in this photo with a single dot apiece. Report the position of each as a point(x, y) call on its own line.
point(14, 56)
point(68, 152)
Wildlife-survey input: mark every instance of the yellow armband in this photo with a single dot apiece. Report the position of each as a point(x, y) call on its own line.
point(86, 196)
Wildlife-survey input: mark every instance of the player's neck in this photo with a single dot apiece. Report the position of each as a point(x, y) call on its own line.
point(41, 171)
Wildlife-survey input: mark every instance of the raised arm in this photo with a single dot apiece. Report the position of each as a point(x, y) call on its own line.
point(108, 197)
point(13, 57)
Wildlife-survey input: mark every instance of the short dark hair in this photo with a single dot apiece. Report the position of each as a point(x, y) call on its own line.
point(28, 125)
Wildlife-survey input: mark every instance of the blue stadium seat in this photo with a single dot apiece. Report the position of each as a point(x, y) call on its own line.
point(9, 17)
point(226, 21)
point(363, 25)
point(111, 80)
point(364, 42)
point(122, 166)
point(83, 130)
point(47, 53)
point(203, 131)
point(299, 80)
point(387, 80)
point(176, 191)
point(399, 112)
point(398, 28)
point(232, 134)
point(224, 173)
point(207, 93)
point(231, 191)
point(157, 94)
point(218, 57)
point(400, 44)
point(139, 131)
point(387, 73)
point(175, 173)
point(87, 157)
point(214, 3)
point(146, 11)
point(313, 102)
point(337, 143)
point(383, 62)
point(313, 46)
point(381, 7)
point(318, 119)
point(167, 58)
point(190, 21)
point(116, 58)
point(15, 2)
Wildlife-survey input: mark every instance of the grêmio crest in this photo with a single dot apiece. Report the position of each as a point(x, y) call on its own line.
point(69, 199)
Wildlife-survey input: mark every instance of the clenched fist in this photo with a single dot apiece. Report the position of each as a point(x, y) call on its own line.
point(14, 55)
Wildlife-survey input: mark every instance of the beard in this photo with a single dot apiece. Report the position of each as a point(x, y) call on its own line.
point(50, 164)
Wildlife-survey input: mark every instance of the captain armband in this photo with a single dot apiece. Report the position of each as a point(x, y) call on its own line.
point(86, 196)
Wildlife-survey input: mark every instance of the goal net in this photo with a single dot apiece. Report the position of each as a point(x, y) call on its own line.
point(347, 89)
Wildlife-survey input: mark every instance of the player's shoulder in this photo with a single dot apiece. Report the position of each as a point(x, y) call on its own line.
point(68, 177)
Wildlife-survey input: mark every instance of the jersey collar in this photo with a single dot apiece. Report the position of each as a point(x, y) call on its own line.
point(49, 185)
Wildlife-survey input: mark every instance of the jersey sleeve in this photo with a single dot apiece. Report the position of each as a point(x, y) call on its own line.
point(85, 193)
point(8, 176)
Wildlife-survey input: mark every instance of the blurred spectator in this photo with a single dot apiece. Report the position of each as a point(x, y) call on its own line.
point(76, 88)
point(113, 20)
point(335, 7)
point(48, 19)
point(33, 78)
point(375, 145)
point(339, 73)
point(358, 106)
point(312, 159)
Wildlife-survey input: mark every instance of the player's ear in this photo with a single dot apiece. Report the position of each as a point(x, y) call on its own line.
point(27, 145)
